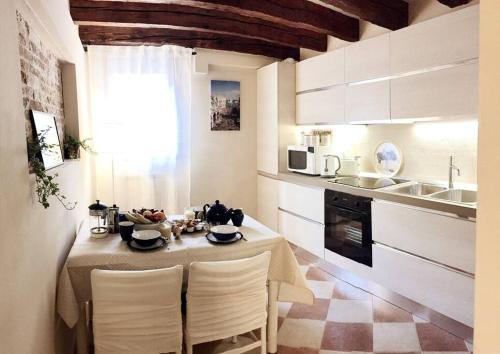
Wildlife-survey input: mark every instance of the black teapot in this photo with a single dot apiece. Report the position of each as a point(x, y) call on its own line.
point(217, 213)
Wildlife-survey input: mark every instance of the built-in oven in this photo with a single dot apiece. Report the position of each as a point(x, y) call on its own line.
point(348, 226)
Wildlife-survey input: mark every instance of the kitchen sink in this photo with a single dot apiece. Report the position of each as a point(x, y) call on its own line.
point(457, 195)
point(419, 189)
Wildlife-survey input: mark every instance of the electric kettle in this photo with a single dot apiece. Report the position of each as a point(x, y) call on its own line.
point(330, 165)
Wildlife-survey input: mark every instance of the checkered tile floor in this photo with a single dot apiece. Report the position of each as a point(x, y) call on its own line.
point(346, 319)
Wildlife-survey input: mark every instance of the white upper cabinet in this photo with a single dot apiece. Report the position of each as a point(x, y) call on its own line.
point(368, 59)
point(267, 119)
point(446, 39)
point(325, 106)
point(450, 92)
point(368, 102)
point(321, 71)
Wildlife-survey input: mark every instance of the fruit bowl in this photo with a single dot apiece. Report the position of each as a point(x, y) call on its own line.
point(146, 216)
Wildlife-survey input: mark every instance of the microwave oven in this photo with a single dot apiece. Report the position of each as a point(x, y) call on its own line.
point(306, 159)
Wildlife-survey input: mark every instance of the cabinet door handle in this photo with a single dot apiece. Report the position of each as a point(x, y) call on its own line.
point(438, 264)
point(300, 216)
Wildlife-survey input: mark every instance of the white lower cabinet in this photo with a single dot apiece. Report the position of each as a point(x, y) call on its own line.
point(304, 201)
point(440, 238)
point(443, 290)
point(304, 233)
point(267, 201)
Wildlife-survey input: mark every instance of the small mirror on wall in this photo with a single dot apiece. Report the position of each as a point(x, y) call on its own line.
point(45, 129)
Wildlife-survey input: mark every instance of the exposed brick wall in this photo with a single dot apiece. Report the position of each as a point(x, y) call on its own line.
point(40, 77)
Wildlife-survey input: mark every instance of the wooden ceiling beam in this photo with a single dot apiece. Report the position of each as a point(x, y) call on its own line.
point(297, 13)
point(391, 14)
point(106, 35)
point(454, 3)
point(189, 14)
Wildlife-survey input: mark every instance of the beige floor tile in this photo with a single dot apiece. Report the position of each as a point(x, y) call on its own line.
point(350, 311)
point(386, 312)
point(321, 289)
point(346, 291)
point(283, 308)
point(395, 337)
point(300, 333)
point(304, 269)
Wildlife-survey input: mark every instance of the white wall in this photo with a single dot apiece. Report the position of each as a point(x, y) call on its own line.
point(224, 163)
point(35, 241)
point(487, 307)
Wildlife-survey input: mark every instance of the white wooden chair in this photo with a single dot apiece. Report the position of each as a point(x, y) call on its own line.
point(137, 311)
point(226, 299)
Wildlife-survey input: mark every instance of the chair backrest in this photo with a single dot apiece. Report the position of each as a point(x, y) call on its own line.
point(227, 297)
point(137, 311)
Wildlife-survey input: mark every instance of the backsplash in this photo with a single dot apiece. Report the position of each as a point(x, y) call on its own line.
point(40, 77)
point(426, 147)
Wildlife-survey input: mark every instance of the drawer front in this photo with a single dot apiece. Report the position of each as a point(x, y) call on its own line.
point(303, 201)
point(440, 238)
point(431, 285)
point(326, 106)
point(304, 233)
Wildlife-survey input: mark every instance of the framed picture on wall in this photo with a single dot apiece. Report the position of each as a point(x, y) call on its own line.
point(224, 105)
point(45, 126)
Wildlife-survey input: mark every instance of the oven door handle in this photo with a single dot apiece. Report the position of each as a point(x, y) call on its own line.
point(346, 213)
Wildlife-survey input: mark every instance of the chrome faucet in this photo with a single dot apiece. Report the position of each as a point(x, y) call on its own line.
point(450, 173)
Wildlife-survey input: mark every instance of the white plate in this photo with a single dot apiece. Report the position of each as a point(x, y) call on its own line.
point(213, 239)
point(387, 159)
point(146, 234)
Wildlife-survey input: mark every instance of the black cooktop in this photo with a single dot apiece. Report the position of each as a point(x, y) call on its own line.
point(368, 182)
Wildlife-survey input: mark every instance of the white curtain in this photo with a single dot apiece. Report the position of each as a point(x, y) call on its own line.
point(140, 100)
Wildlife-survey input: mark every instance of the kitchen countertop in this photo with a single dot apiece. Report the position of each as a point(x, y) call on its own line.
point(456, 209)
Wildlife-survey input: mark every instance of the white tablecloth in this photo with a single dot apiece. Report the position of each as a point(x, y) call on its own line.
point(112, 253)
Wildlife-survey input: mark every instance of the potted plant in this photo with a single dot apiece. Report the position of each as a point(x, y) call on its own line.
point(72, 147)
point(46, 185)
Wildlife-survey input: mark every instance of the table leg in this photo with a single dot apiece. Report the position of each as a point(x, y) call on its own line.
point(82, 345)
point(272, 317)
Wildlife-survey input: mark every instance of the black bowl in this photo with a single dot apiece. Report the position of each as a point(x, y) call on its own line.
point(146, 237)
point(224, 232)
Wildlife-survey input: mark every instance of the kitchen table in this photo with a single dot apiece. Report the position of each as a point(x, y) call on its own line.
point(285, 281)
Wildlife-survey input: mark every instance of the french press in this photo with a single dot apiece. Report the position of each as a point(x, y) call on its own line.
point(98, 212)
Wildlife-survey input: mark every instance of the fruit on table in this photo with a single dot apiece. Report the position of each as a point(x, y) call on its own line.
point(158, 216)
point(146, 216)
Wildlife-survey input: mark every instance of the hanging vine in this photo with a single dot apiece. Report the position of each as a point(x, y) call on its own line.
point(46, 185)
